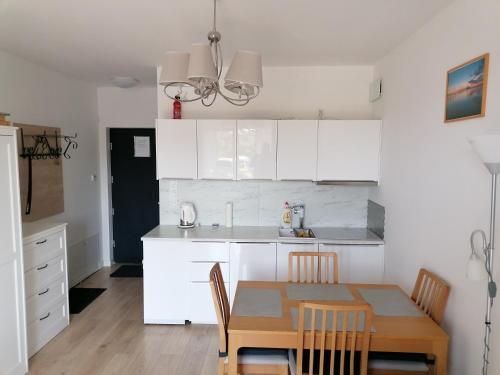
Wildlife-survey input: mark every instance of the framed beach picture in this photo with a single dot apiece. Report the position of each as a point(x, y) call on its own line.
point(466, 90)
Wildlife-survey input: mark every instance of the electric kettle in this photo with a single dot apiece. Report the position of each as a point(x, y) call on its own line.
point(188, 215)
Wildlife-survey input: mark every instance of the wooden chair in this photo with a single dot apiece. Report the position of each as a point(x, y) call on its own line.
point(336, 325)
point(430, 294)
point(307, 267)
point(251, 361)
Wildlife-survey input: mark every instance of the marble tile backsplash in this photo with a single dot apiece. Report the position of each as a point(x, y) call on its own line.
point(261, 202)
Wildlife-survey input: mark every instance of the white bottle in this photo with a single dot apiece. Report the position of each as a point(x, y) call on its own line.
point(286, 217)
point(229, 214)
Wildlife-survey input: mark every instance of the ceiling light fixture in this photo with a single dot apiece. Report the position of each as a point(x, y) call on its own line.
point(124, 82)
point(196, 76)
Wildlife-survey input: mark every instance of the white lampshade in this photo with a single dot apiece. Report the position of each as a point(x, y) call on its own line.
point(174, 68)
point(201, 64)
point(488, 149)
point(244, 72)
point(476, 269)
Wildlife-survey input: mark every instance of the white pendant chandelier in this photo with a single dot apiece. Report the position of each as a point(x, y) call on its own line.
point(196, 76)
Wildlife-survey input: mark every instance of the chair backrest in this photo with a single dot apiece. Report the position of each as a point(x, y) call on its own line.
point(340, 328)
point(221, 304)
point(431, 294)
point(308, 267)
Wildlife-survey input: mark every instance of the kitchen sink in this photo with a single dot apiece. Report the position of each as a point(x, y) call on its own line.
point(296, 233)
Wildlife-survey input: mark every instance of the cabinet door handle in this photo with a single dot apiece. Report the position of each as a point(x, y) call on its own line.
point(45, 317)
point(41, 242)
point(42, 267)
point(44, 292)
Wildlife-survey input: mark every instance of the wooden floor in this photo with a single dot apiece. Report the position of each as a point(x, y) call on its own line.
point(109, 337)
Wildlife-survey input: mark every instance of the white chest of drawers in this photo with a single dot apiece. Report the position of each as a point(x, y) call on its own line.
point(46, 282)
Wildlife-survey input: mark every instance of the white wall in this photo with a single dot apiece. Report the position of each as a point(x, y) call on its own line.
point(35, 95)
point(299, 92)
point(126, 107)
point(119, 108)
point(434, 188)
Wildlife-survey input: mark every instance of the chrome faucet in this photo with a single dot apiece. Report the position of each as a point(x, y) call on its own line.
point(298, 213)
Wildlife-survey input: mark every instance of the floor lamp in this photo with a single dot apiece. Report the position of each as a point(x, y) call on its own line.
point(488, 149)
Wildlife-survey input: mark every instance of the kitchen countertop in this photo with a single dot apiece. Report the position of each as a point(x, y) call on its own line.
point(339, 236)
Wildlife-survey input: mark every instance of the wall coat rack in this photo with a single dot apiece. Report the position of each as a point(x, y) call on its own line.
point(42, 148)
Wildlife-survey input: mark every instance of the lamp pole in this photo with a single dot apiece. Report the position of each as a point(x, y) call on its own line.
point(492, 289)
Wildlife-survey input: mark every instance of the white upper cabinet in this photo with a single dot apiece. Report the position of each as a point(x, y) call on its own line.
point(297, 149)
point(216, 149)
point(257, 149)
point(349, 150)
point(176, 149)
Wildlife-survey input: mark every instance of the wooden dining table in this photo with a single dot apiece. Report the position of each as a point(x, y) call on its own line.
point(390, 333)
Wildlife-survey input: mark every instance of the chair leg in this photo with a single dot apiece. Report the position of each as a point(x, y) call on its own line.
point(255, 369)
point(221, 368)
point(285, 370)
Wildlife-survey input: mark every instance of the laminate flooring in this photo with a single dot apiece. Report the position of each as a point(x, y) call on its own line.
point(109, 337)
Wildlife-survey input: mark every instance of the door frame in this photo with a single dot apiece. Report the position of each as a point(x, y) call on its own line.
point(105, 187)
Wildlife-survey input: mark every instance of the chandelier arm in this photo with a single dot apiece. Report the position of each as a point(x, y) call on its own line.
point(174, 98)
point(209, 91)
point(212, 102)
point(235, 100)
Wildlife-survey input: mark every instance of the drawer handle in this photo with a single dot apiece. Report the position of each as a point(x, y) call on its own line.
point(45, 317)
point(41, 242)
point(44, 292)
point(42, 267)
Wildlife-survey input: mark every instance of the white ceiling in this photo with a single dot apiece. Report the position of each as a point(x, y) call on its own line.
point(97, 39)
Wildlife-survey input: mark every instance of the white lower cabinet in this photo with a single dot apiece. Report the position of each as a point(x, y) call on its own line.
point(201, 304)
point(165, 282)
point(46, 284)
point(359, 263)
point(176, 273)
point(282, 256)
point(202, 257)
point(251, 261)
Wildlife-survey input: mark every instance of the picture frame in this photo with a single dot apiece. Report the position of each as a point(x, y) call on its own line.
point(466, 90)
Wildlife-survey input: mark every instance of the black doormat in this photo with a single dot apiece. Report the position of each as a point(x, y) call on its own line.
point(128, 271)
point(80, 298)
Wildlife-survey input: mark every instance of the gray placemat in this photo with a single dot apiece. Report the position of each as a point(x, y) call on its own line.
point(329, 320)
point(318, 292)
point(390, 302)
point(258, 302)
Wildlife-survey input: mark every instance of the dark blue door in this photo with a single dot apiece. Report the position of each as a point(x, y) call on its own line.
point(135, 194)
